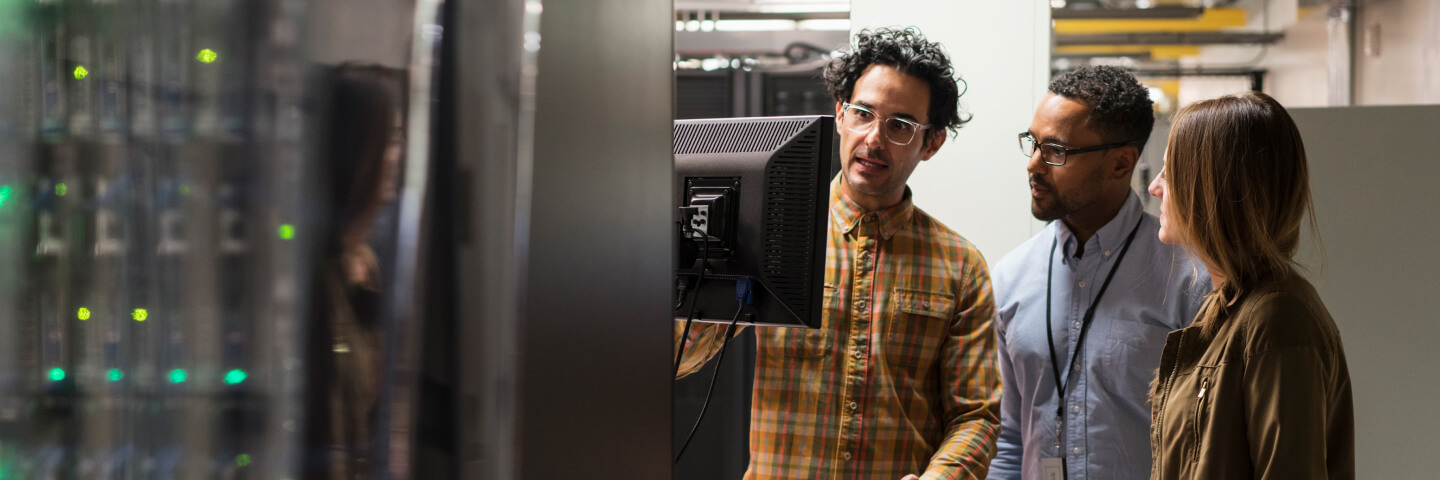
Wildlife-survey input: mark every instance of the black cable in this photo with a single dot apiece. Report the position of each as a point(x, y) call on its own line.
point(729, 334)
point(689, 316)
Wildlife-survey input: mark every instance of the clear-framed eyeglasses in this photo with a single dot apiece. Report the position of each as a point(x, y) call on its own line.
point(1055, 154)
point(897, 130)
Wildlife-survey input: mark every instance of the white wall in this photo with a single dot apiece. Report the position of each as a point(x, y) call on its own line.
point(1406, 67)
point(1396, 58)
point(977, 183)
point(1375, 207)
point(1298, 73)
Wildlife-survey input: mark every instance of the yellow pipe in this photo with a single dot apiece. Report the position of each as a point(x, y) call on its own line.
point(1212, 19)
point(1157, 52)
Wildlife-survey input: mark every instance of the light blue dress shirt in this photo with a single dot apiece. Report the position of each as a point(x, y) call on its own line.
point(1158, 288)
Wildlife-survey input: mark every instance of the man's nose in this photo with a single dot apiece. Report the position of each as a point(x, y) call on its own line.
point(874, 139)
point(1037, 164)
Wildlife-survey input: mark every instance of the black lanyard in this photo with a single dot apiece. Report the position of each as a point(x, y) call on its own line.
point(1085, 325)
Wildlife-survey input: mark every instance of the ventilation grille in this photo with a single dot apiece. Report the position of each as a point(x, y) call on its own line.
point(791, 201)
point(702, 96)
point(692, 138)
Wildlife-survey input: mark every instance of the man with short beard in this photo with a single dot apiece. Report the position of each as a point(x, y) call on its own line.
point(1083, 308)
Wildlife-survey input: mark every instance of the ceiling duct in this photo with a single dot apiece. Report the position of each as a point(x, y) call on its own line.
point(1163, 38)
point(1076, 13)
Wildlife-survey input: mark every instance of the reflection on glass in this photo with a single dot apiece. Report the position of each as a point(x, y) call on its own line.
point(151, 331)
point(360, 161)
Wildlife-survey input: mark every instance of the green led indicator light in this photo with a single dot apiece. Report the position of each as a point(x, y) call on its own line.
point(4, 194)
point(287, 231)
point(57, 374)
point(235, 376)
point(184, 189)
point(81, 72)
point(83, 314)
point(207, 56)
point(114, 375)
point(61, 189)
point(140, 314)
point(177, 375)
point(242, 460)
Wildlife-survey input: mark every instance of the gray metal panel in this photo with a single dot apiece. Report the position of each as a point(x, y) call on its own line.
point(493, 111)
point(1372, 176)
point(597, 350)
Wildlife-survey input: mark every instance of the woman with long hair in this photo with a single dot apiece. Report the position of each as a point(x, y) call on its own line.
point(1258, 386)
point(360, 109)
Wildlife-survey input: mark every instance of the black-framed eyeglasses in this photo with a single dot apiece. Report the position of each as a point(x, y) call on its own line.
point(1054, 153)
point(897, 130)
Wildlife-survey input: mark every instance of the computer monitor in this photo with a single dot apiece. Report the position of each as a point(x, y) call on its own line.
point(751, 199)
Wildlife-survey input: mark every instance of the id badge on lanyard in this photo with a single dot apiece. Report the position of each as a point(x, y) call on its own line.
point(1052, 468)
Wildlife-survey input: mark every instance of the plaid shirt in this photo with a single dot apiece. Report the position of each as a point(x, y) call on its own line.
point(901, 377)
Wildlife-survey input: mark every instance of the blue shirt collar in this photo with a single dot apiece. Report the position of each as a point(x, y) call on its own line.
point(1110, 237)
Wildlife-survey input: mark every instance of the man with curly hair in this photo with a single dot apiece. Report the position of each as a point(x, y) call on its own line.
point(1084, 307)
point(900, 380)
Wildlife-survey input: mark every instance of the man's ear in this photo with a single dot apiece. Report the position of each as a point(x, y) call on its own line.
point(1125, 160)
point(933, 141)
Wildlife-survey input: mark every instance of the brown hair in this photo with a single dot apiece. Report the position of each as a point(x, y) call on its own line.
point(363, 103)
point(1239, 188)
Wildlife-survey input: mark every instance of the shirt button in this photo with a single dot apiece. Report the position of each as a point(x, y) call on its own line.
point(1075, 409)
point(1076, 450)
point(1082, 284)
point(847, 455)
point(1077, 324)
point(1077, 367)
point(1107, 253)
point(852, 405)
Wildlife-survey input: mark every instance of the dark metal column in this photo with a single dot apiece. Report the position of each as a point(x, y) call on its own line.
point(597, 330)
point(560, 186)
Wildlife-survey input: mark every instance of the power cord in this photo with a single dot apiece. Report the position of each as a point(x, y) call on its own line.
point(729, 334)
point(690, 316)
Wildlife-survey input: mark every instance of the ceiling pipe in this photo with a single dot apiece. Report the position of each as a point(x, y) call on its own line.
point(1183, 38)
point(1173, 13)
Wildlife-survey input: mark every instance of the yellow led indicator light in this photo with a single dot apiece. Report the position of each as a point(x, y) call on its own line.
point(287, 231)
point(57, 374)
point(207, 56)
point(114, 375)
point(81, 72)
point(242, 460)
point(61, 189)
point(140, 314)
point(83, 314)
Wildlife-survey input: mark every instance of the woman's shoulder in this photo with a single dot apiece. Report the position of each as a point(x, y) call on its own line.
point(1285, 312)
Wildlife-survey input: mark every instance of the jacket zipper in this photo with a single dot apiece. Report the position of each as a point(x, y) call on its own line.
point(1195, 423)
point(1164, 400)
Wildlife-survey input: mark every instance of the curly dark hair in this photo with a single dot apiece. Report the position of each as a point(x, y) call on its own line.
point(908, 52)
point(1120, 108)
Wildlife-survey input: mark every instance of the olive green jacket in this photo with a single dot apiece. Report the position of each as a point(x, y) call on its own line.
point(1258, 389)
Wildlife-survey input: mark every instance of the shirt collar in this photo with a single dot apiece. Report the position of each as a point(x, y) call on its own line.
point(846, 215)
point(1111, 236)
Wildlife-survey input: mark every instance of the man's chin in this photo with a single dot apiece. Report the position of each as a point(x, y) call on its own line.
point(863, 184)
point(1043, 214)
